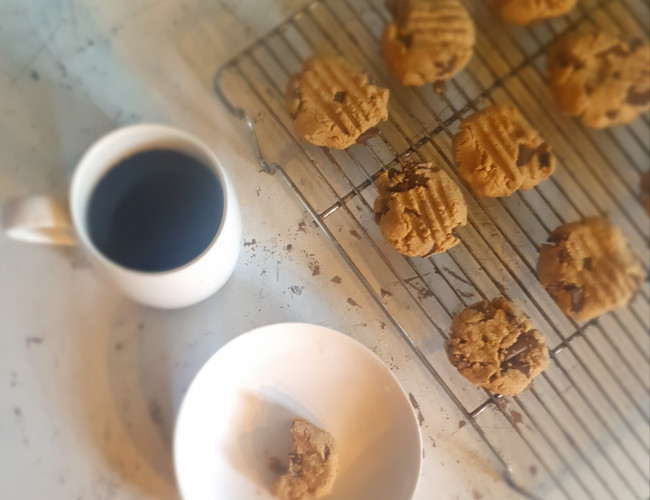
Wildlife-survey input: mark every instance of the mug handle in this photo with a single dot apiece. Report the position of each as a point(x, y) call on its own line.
point(38, 219)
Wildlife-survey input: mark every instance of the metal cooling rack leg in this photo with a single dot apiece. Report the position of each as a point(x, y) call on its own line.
point(272, 169)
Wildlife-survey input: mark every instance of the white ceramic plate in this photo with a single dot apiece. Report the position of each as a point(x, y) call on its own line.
point(237, 414)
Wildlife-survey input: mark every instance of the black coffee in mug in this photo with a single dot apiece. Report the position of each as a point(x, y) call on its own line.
point(155, 211)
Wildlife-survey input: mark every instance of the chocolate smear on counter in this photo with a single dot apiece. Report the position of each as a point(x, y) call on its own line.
point(416, 407)
point(516, 417)
point(355, 233)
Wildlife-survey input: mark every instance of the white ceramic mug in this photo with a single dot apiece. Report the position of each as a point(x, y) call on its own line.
point(45, 220)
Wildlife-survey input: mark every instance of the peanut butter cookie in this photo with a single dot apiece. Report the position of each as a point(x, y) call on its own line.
point(493, 344)
point(419, 209)
point(588, 268)
point(313, 464)
point(601, 78)
point(428, 40)
point(497, 152)
point(332, 103)
point(524, 12)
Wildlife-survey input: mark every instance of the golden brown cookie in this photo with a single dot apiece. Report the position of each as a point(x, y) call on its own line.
point(313, 464)
point(601, 78)
point(497, 152)
point(493, 344)
point(419, 209)
point(332, 103)
point(588, 268)
point(428, 40)
point(524, 12)
point(645, 191)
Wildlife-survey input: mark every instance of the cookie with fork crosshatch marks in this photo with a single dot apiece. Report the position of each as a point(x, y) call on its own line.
point(428, 41)
point(525, 12)
point(332, 103)
point(497, 152)
point(601, 78)
point(493, 344)
point(588, 268)
point(419, 209)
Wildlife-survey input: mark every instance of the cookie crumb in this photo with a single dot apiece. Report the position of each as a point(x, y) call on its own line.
point(313, 464)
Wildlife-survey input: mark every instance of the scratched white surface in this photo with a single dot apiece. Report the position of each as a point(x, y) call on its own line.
point(89, 382)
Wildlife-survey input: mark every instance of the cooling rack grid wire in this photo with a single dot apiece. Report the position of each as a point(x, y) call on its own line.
point(583, 429)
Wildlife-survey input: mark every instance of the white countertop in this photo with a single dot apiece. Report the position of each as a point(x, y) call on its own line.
point(90, 383)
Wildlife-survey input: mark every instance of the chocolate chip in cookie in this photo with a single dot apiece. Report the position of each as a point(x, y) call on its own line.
point(493, 344)
point(588, 268)
point(419, 209)
point(497, 152)
point(601, 78)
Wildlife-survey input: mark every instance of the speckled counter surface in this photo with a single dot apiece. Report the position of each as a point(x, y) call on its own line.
point(89, 382)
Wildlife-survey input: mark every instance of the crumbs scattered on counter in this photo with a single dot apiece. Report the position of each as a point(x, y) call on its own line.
point(516, 417)
point(423, 291)
point(155, 412)
point(456, 275)
point(33, 340)
point(301, 226)
point(416, 407)
point(250, 243)
point(461, 424)
point(354, 233)
point(314, 265)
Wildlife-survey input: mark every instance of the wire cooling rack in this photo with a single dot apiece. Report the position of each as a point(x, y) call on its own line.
point(583, 429)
